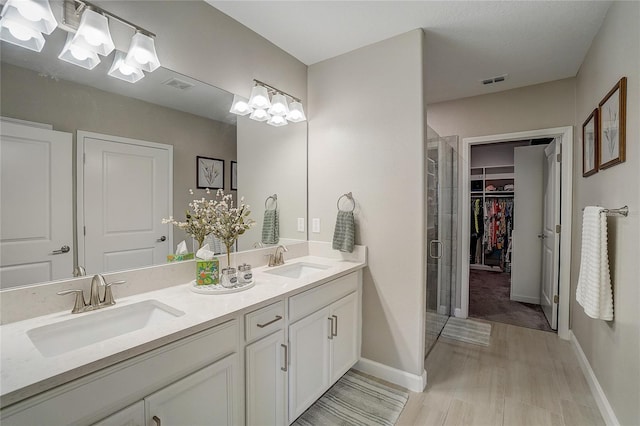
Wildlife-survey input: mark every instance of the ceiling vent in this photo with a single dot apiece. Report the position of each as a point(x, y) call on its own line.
point(178, 84)
point(496, 79)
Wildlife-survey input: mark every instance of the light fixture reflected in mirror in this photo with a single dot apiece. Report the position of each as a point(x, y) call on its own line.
point(120, 69)
point(15, 33)
point(93, 33)
point(274, 111)
point(277, 121)
point(240, 106)
point(78, 55)
point(142, 53)
point(259, 115)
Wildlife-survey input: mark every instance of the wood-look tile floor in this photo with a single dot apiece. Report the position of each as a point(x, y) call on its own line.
point(524, 377)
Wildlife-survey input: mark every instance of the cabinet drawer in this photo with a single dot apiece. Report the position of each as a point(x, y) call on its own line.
point(264, 321)
point(310, 301)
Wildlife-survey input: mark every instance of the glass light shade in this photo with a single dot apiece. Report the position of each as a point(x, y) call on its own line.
point(142, 53)
point(277, 121)
point(93, 33)
point(259, 98)
point(279, 105)
point(35, 14)
point(120, 69)
point(259, 115)
point(15, 33)
point(296, 112)
point(78, 55)
point(240, 106)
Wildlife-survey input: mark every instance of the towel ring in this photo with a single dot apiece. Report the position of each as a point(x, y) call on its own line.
point(273, 197)
point(350, 197)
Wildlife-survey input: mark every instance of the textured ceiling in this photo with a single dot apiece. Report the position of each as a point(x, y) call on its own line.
point(531, 41)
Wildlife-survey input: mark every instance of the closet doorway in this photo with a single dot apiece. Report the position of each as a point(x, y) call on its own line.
point(514, 231)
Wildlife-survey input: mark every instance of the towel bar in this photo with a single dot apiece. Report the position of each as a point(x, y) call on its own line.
point(349, 196)
point(622, 211)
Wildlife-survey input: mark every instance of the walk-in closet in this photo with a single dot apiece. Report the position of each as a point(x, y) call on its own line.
point(505, 179)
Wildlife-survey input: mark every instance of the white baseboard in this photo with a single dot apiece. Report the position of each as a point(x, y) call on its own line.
point(525, 299)
point(598, 393)
point(458, 313)
point(413, 382)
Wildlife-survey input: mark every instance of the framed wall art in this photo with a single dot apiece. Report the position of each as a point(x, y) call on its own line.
point(612, 125)
point(590, 145)
point(234, 175)
point(209, 173)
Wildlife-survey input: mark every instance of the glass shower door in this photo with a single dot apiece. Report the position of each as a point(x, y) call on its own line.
point(442, 220)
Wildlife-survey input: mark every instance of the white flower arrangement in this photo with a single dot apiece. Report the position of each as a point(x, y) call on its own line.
point(217, 217)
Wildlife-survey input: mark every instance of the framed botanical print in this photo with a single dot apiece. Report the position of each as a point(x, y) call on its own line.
point(612, 125)
point(590, 144)
point(210, 173)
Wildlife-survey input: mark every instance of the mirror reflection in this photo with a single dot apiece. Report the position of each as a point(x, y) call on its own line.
point(90, 165)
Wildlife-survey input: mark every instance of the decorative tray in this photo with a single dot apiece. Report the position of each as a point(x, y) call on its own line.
point(218, 288)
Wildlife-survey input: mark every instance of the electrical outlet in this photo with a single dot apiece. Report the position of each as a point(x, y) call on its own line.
point(315, 227)
point(301, 224)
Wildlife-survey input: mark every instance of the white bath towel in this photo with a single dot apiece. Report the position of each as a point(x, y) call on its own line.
point(594, 292)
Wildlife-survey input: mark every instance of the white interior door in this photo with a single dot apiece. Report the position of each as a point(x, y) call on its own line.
point(36, 214)
point(124, 193)
point(550, 240)
point(526, 264)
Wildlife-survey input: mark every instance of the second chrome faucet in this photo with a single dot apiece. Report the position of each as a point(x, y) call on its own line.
point(95, 301)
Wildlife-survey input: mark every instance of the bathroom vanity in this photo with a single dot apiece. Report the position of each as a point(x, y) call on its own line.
point(262, 356)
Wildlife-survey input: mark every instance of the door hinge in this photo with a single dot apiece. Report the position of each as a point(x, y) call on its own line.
point(559, 158)
point(556, 299)
point(84, 230)
point(84, 158)
point(557, 229)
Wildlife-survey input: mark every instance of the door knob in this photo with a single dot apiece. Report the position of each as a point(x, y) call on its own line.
point(63, 249)
point(162, 239)
point(542, 236)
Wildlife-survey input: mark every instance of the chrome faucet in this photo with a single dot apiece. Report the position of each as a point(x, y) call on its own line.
point(277, 258)
point(95, 302)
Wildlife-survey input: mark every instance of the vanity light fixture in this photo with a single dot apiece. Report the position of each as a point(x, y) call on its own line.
point(93, 33)
point(24, 21)
point(122, 70)
point(142, 52)
point(78, 55)
point(240, 106)
point(259, 115)
point(276, 111)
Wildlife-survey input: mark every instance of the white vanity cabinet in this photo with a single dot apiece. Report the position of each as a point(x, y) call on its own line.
point(266, 359)
point(325, 343)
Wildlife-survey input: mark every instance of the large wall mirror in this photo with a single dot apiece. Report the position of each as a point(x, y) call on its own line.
point(91, 164)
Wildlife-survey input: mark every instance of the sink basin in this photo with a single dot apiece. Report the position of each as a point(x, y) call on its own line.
point(297, 270)
point(98, 326)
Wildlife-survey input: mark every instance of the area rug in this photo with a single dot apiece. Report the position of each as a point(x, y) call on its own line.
point(355, 400)
point(467, 331)
point(489, 300)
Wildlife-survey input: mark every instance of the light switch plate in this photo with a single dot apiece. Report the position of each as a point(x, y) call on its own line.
point(301, 224)
point(315, 225)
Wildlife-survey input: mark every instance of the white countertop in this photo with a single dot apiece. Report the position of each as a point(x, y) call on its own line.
point(26, 372)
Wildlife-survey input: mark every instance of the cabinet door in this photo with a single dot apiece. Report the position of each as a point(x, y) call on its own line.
point(266, 372)
point(206, 397)
point(133, 415)
point(344, 351)
point(309, 366)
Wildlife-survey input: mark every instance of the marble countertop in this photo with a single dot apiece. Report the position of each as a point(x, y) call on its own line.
point(25, 372)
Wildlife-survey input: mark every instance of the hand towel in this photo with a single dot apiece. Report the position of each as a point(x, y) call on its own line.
point(270, 227)
point(344, 234)
point(594, 292)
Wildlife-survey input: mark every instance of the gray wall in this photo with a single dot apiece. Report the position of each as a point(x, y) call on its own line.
point(612, 348)
point(359, 141)
point(70, 107)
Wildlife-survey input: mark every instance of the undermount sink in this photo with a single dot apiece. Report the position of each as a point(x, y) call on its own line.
point(98, 326)
point(297, 270)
